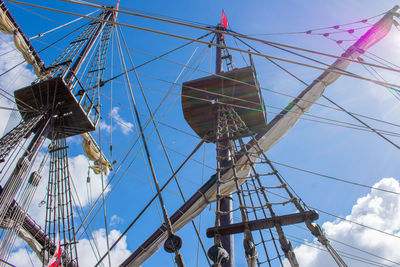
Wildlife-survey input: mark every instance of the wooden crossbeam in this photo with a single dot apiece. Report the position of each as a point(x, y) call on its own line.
point(263, 223)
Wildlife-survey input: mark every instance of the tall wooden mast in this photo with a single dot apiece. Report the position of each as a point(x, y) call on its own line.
point(223, 158)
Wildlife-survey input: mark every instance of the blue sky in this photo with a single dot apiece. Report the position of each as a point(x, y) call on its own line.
point(350, 154)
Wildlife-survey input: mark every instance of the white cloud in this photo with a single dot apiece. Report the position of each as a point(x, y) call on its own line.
point(115, 219)
point(14, 79)
point(78, 167)
point(377, 209)
point(105, 127)
point(24, 257)
point(19, 76)
point(125, 126)
point(118, 254)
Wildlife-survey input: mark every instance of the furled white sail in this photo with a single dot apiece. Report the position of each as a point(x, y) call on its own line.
point(9, 26)
point(93, 152)
point(268, 137)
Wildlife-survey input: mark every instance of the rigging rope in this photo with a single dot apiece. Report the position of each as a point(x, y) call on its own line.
point(178, 256)
point(80, 210)
point(335, 178)
point(322, 28)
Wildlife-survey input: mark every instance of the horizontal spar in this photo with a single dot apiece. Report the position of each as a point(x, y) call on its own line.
point(263, 223)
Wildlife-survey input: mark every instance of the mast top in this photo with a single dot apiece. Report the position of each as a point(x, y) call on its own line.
point(224, 21)
point(116, 10)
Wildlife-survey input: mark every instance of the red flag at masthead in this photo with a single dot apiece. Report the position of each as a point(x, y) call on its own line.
point(224, 21)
